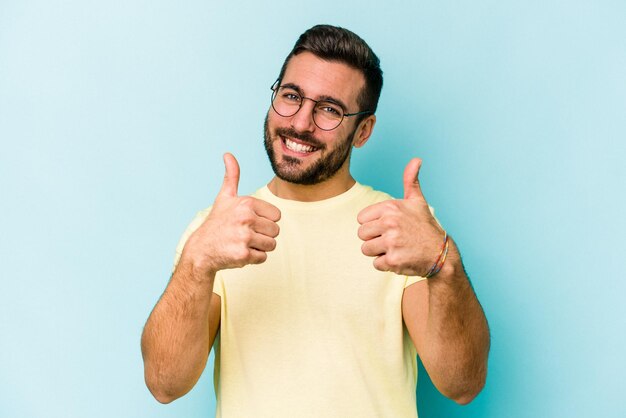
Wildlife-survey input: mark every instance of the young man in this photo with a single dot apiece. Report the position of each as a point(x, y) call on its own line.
point(323, 290)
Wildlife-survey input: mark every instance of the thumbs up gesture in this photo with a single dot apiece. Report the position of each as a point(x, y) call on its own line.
point(402, 234)
point(240, 230)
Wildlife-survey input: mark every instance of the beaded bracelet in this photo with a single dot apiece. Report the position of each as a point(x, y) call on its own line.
point(441, 259)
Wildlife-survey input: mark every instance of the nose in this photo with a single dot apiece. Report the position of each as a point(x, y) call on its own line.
point(302, 121)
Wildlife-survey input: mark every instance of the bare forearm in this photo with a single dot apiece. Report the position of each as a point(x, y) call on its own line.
point(457, 333)
point(175, 342)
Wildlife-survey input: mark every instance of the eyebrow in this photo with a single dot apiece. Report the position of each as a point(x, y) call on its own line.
point(324, 98)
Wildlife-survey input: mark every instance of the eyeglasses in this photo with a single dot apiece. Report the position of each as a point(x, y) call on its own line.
point(327, 115)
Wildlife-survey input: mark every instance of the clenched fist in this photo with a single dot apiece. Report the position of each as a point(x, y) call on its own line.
point(240, 230)
point(402, 234)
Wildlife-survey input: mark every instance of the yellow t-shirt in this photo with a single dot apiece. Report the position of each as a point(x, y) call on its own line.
point(315, 331)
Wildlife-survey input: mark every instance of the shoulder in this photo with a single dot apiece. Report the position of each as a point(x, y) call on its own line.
point(197, 220)
point(191, 228)
point(370, 196)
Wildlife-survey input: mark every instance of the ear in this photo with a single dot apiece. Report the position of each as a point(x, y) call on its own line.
point(364, 131)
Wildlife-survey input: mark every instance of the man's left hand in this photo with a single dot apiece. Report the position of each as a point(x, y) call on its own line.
point(402, 234)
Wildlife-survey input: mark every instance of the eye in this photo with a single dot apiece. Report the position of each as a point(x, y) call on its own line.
point(329, 109)
point(290, 96)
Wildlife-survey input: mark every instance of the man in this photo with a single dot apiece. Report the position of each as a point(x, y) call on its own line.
point(323, 290)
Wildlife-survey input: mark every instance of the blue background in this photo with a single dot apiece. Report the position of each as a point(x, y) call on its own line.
point(114, 116)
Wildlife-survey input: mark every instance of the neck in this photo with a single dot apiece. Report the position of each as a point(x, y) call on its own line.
point(314, 192)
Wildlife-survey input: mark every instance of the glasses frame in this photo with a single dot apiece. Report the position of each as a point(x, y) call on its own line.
point(275, 86)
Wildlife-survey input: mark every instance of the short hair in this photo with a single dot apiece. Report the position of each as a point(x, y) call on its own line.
point(333, 43)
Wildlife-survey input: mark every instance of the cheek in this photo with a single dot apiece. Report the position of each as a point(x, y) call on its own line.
point(275, 121)
point(270, 127)
point(343, 139)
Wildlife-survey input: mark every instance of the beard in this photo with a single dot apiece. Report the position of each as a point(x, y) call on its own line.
point(289, 168)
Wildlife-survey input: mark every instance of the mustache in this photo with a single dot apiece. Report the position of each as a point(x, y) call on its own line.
point(304, 137)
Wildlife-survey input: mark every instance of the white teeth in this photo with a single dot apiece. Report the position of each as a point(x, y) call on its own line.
point(294, 146)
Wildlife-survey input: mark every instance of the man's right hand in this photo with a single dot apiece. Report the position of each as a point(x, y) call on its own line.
point(240, 230)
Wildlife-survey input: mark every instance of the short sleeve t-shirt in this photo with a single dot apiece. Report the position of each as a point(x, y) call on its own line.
point(316, 330)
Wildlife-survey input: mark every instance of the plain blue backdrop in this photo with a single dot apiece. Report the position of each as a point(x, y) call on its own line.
point(114, 116)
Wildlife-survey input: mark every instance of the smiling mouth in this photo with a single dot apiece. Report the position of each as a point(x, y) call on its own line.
point(297, 147)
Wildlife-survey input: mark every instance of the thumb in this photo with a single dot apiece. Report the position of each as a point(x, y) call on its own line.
point(412, 189)
point(231, 176)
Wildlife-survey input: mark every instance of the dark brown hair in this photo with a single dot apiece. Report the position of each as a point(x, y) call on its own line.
point(333, 43)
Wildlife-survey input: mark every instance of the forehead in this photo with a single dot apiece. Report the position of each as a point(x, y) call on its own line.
point(317, 77)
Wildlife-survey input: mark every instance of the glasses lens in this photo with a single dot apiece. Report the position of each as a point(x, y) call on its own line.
point(286, 101)
point(327, 115)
